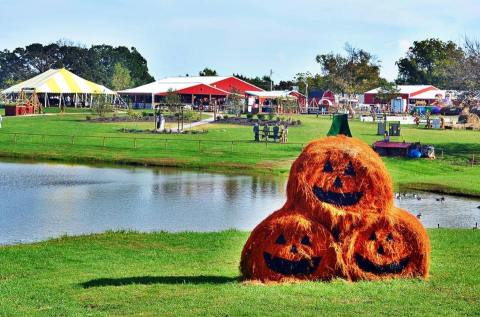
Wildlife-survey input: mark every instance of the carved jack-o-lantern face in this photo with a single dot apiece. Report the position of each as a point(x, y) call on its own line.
point(338, 183)
point(387, 249)
point(337, 176)
point(288, 247)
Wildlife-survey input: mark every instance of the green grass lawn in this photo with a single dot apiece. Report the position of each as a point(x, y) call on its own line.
point(162, 274)
point(229, 148)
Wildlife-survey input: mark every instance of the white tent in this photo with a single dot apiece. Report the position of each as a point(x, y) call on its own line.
point(61, 82)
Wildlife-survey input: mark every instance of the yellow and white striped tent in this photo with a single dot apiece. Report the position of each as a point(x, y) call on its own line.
point(59, 81)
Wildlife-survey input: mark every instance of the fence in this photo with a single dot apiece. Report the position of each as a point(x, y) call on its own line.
point(177, 143)
point(157, 143)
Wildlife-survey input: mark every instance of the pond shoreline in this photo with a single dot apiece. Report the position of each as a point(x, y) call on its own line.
point(217, 167)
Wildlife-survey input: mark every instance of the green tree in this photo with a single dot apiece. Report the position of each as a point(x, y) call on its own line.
point(430, 62)
point(172, 97)
point(261, 82)
point(387, 92)
point(96, 63)
point(121, 77)
point(355, 72)
point(236, 102)
point(207, 72)
point(101, 105)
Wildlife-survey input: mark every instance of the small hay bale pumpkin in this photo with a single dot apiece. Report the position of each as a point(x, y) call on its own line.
point(340, 180)
point(288, 247)
point(394, 247)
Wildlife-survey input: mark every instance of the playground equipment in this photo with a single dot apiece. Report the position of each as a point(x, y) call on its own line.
point(27, 103)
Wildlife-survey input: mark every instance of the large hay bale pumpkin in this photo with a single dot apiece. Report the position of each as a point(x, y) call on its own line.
point(288, 246)
point(341, 182)
point(396, 246)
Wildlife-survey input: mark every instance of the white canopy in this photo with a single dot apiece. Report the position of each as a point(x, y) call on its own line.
point(59, 81)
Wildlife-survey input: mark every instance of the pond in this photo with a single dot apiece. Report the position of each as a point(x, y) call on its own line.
point(40, 201)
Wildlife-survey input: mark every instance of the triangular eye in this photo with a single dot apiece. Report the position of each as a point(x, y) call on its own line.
point(281, 240)
point(350, 171)
point(328, 167)
point(390, 237)
point(306, 240)
point(373, 236)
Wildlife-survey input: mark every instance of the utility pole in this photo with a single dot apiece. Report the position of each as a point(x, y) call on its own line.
point(271, 81)
point(306, 94)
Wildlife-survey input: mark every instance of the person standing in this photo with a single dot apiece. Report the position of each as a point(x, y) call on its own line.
point(276, 129)
point(157, 122)
point(256, 131)
point(285, 134)
point(162, 122)
point(266, 131)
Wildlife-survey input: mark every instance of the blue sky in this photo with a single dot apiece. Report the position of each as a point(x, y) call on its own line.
point(248, 37)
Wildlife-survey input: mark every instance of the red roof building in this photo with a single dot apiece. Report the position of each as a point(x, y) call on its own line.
point(410, 93)
point(194, 90)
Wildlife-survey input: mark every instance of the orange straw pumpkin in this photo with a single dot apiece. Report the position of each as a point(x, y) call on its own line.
point(341, 182)
point(288, 246)
point(393, 247)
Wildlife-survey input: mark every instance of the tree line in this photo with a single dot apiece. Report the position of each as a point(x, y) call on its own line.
point(444, 64)
point(116, 67)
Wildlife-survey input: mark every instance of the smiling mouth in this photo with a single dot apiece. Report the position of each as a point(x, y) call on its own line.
point(370, 267)
point(339, 199)
point(287, 267)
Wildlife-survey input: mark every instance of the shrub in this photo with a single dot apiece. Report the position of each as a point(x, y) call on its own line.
point(261, 116)
point(189, 115)
point(249, 116)
point(88, 118)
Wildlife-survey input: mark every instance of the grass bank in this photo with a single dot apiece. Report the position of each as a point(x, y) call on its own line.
point(162, 274)
point(229, 148)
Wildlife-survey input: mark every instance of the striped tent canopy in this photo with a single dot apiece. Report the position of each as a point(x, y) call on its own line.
point(59, 81)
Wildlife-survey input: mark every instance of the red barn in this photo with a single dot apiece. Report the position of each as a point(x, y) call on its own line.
point(196, 90)
point(410, 93)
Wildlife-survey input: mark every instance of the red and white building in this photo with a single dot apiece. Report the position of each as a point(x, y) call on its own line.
point(196, 90)
point(410, 95)
point(266, 101)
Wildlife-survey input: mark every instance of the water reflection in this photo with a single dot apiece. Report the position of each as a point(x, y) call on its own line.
point(39, 201)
